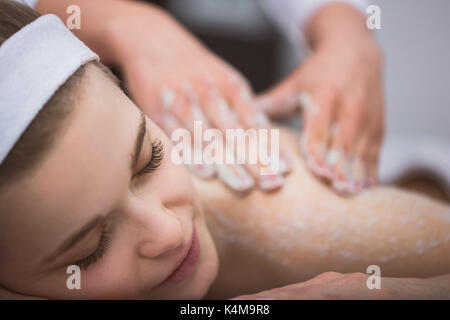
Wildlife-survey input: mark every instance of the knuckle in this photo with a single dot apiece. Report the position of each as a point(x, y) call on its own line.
point(328, 276)
point(357, 105)
point(390, 292)
point(356, 276)
point(327, 96)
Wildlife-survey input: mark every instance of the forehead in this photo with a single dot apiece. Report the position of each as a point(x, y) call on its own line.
point(84, 173)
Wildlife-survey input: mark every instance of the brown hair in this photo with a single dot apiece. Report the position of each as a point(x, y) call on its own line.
point(41, 133)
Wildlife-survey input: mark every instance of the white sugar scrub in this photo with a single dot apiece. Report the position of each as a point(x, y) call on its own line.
point(167, 98)
point(198, 114)
point(262, 120)
point(235, 177)
point(226, 115)
point(305, 228)
point(204, 171)
point(245, 93)
point(307, 103)
point(170, 123)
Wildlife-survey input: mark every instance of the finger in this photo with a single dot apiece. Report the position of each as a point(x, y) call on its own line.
point(280, 101)
point(349, 118)
point(373, 164)
point(376, 133)
point(180, 110)
point(165, 117)
point(222, 117)
point(241, 101)
point(318, 116)
point(232, 175)
point(357, 166)
point(360, 164)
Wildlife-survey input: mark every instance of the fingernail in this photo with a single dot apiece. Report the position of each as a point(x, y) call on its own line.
point(357, 173)
point(341, 182)
point(270, 181)
point(225, 113)
point(262, 120)
point(311, 164)
point(204, 171)
point(285, 164)
point(235, 177)
point(359, 186)
point(307, 103)
point(319, 169)
point(332, 157)
point(342, 186)
point(304, 99)
point(303, 144)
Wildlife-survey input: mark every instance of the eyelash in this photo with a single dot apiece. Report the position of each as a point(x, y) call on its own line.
point(155, 161)
point(98, 253)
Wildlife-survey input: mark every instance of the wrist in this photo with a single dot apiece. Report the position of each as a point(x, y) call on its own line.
point(336, 23)
point(96, 35)
point(139, 26)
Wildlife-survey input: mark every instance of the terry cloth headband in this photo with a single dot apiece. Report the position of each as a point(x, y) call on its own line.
point(34, 63)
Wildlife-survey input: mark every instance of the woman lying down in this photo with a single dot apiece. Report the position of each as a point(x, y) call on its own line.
point(86, 179)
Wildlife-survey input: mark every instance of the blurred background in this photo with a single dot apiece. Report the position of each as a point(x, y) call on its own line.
point(415, 37)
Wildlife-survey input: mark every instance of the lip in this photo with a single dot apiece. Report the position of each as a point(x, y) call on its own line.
point(187, 264)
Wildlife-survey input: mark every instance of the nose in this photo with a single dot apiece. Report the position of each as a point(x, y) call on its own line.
point(163, 234)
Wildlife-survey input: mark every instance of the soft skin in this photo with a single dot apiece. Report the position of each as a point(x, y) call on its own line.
point(87, 174)
point(291, 235)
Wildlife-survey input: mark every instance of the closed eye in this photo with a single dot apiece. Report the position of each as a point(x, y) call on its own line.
point(155, 160)
point(98, 252)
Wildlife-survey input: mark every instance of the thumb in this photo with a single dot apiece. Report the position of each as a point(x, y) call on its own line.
point(282, 100)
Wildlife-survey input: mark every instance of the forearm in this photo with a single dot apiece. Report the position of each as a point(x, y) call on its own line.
point(100, 21)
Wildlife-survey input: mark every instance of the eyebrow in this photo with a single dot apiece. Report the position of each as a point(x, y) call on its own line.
point(73, 239)
point(138, 142)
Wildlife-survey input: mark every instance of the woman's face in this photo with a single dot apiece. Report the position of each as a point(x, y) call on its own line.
point(102, 199)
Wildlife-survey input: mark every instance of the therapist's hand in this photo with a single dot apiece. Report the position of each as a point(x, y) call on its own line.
point(6, 294)
point(353, 286)
point(176, 81)
point(339, 89)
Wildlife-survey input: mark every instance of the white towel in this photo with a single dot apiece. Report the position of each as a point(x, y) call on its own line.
point(34, 63)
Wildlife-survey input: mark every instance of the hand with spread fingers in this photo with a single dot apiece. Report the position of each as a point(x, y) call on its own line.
point(339, 90)
point(176, 81)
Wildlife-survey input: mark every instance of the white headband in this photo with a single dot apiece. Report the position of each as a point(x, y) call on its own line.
point(34, 63)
